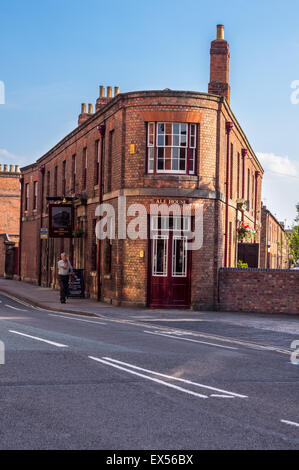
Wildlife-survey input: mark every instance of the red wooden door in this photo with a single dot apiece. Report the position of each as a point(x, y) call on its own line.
point(169, 271)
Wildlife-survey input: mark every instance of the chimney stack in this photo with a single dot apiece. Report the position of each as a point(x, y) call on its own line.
point(219, 65)
point(83, 116)
point(102, 99)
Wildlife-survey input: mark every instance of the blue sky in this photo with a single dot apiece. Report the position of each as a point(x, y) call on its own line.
point(55, 53)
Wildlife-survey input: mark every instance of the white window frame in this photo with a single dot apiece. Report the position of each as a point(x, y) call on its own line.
point(178, 171)
point(185, 257)
point(185, 225)
point(154, 255)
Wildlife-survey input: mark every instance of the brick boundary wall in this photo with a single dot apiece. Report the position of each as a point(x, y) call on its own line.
point(259, 290)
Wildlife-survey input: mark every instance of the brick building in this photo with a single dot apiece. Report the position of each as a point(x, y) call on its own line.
point(9, 213)
point(151, 147)
point(274, 253)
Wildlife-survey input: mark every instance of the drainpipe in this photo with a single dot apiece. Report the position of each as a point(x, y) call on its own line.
point(42, 173)
point(257, 174)
point(244, 153)
point(101, 129)
point(21, 226)
point(229, 125)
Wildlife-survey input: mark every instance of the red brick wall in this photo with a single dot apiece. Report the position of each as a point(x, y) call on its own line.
point(9, 202)
point(2, 255)
point(274, 238)
point(264, 291)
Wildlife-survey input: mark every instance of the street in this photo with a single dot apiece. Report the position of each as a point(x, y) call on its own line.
point(145, 380)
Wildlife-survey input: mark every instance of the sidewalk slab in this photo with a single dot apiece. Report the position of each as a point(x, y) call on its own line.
point(47, 298)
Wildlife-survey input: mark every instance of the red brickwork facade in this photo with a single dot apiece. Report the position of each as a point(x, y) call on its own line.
point(107, 157)
point(274, 251)
point(10, 209)
point(10, 201)
point(264, 291)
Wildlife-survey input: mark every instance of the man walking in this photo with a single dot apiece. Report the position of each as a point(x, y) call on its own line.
point(64, 270)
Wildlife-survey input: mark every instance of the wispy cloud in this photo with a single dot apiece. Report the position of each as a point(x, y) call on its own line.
point(11, 158)
point(279, 165)
point(280, 185)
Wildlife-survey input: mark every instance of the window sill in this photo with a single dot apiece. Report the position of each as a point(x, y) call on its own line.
point(167, 176)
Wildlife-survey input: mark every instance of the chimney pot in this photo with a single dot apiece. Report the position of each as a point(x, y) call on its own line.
point(0, 167)
point(102, 91)
point(90, 108)
point(5, 168)
point(11, 168)
point(116, 90)
point(109, 91)
point(17, 169)
point(220, 32)
point(83, 108)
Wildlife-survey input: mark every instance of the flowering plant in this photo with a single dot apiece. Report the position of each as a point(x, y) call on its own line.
point(77, 232)
point(244, 232)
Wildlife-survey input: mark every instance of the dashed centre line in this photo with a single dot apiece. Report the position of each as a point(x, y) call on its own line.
point(59, 345)
point(76, 319)
point(191, 340)
point(291, 423)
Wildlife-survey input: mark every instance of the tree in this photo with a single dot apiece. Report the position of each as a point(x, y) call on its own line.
point(293, 239)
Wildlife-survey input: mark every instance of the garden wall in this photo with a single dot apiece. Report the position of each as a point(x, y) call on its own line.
point(259, 290)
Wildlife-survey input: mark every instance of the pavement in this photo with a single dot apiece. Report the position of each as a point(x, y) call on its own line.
point(144, 379)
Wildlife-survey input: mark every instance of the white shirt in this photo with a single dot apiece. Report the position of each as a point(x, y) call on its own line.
point(62, 270)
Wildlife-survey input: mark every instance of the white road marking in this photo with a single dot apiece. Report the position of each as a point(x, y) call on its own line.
point(221, 396)
point(189, 392)
point(59, 345)
point(291, 423)
point(177, 378)
point(192, 340)
point(16, 308)
point(22, 302)
point(77, 319)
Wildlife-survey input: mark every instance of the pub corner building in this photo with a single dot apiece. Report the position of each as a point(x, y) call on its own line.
point(149, 146)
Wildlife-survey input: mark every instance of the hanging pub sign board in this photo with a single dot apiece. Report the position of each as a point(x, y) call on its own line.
point(60, 220)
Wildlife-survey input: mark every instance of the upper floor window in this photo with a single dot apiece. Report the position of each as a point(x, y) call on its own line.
point(35, 195)
point(171, 147)
point(26, 196)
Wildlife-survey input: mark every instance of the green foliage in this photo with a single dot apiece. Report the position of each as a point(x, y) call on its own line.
point(293, 240)
point(242, 265)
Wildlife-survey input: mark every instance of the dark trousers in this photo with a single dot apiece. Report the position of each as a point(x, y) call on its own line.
point(63, 282)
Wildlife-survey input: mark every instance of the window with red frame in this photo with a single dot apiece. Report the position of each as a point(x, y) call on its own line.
point(171, 147)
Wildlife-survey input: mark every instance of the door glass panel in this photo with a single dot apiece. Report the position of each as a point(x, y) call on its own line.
point(160, 246)
point(179, 257)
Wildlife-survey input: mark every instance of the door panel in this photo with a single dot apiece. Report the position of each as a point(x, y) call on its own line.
point(170, 271)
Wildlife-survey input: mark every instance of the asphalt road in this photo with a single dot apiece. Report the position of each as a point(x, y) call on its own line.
point(77, 382)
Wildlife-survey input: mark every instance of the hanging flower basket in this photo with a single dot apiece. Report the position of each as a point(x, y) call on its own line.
point(245, 233)
point(78, 232)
